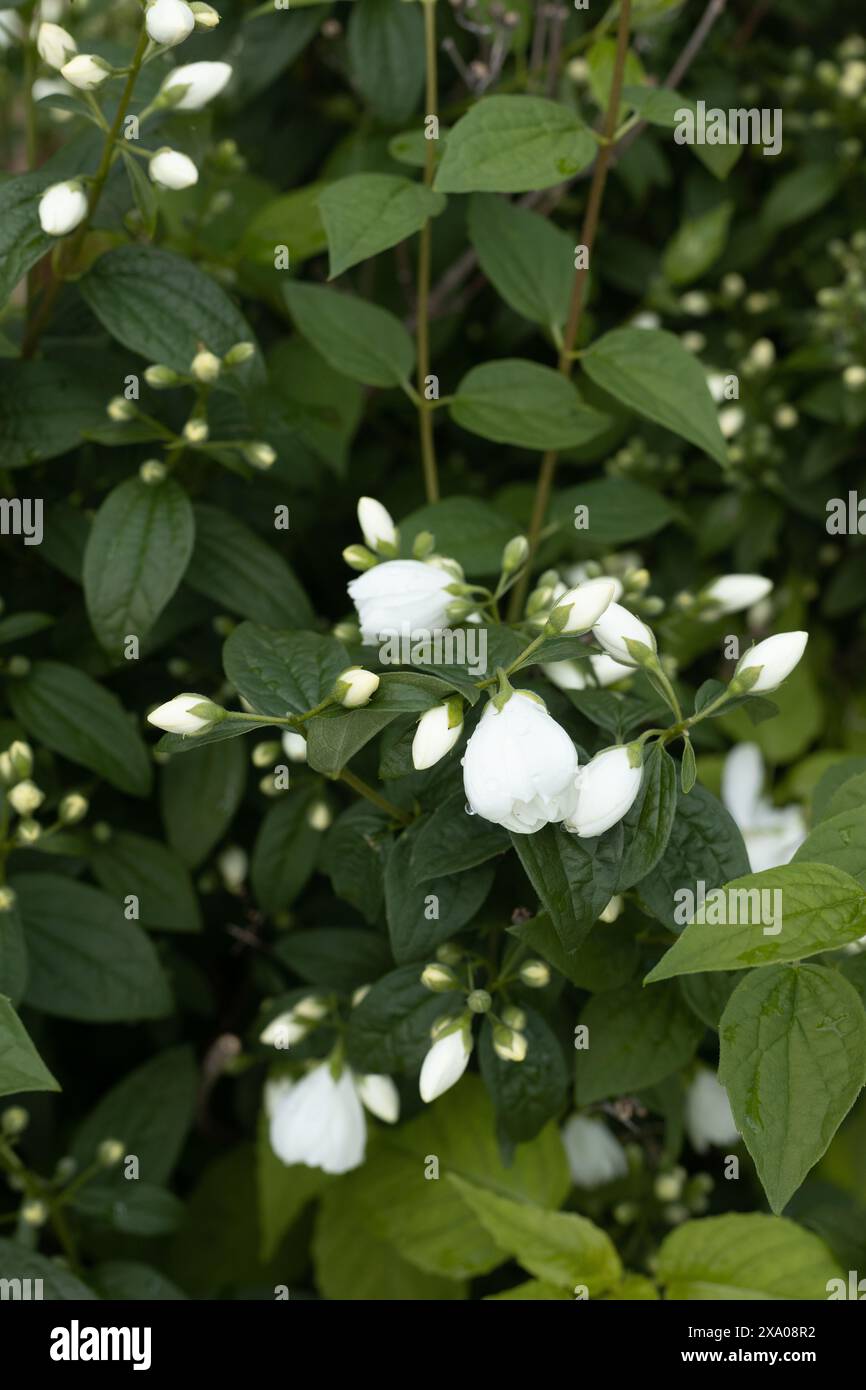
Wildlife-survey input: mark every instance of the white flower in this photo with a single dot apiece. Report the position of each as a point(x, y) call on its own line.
point(187, 714)
point(377, 526)
point(606, 789)
point(583, 605)
point(25, 798)
point(731, 593)
point(594, 1156)
point(708, 1116)
point(171, 169)
point(319, 1120)
point(615, 628)
point(294, 746)
point(86, 71)
point(446, 1061)
point(571, 675)
point(731, 420)
point(62, 207)
point(169, 22)
point(55, 46)
point(438, 730)
point(233, 864)
point(205, 366)
point(191, 87)
point(774, 658)
point(772, 834)
point(520, 766)
point(295, 1023)
point(355, 686)
point(401, 596)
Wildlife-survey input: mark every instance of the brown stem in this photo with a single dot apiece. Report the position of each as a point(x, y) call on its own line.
point(425, 252)
point(575, 309)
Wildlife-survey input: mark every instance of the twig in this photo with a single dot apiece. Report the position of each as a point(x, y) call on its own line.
point(425, 252)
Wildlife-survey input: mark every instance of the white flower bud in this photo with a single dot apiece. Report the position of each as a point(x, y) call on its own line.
point(854, 377)
point(606, 789)
point(320, 816)
point(380, 1096)
point(20, 759)
point(515, 554)
point(359, 558)
point(34, 1212)
point(173, 170)
point(355, 686)
point(446, 1061)
point(401, 596)
point(29, 831)
point(594, 1156)
point(191, 87)
point(762, 353)
point(7, 899)
point(161, 377)
point(25, 798)
point(438, 730)
point(260, 454)
point(14, 1120)
point(616, 629)
point(509, 1044)
point(187, 714)
point(708, 1116)
point(152, 472)
point(205, 366)
point(580, 608)
point(239, 353)
point(169, 22)
point(438, 978)
point(377, 527)
point(62, 207)
point(196, 431)
point(613, 910)
point(535, 974)
point(294, 746)
point(73, 808)
point(119, 409)
point(110, 1152)
point(206, 17)
point(54, 45)
point(86, 71)
point(731, 420)
point(774, 659)
point(731, 593)
point(233, 864)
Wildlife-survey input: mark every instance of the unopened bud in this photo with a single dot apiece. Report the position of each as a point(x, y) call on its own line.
point(535, 974)
point(161, 377)
point(152, 472)
point(110, 1152)
point(439, 978)
point(205, 367)
point(72, 808)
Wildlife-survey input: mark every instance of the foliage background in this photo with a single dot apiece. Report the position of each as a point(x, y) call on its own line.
point(140, 1033)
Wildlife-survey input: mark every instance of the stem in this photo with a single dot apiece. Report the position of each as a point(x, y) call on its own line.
point(575, 310)
point(656, 670)
point(30, 129)
point(364, 789)
point(69, 250)
point(425, 252)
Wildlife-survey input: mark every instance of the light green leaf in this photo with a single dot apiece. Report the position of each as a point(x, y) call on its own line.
point(512, 144)
point(743, 1257)
point(817, 907)
point(705, 846)
point(513, 401)
point(138, 549)
point(651, 372)
point(293, 220)
point(527, 259)
point(619, 509)
point(283, 1191)
point(838, 840)
point(793, 1059)
point(21, 1067)
point(697, 244)
point(360, 340)
point(367, 213)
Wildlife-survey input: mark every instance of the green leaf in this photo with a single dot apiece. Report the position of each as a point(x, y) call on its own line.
point(22, 240)
point(574, 878)
point(360, 340)
point(849, 796)
point(131, 863)
point(385, 44)
point(839, 840)
point(799, 194)
point(354, 857)
point(818, 908)
point(389, 1031)
point(367, 213)
point(688, 767)
point(135, 1208)
point(87, 961)
point(744, 1256)
point(13, 955)
point(351, 1264)
point(18, 626)
point(705, 846)
point(428, 1221)
point(607, 958)
point(150, 1111)
point(473, 532)
point(233, 566)
point(793, 1060)
point(528, 260)
point(647, 825)
point(529, 1093)
point(450, 840)
point(199, 795)
point(513, 144)
point(832, 783)
point(651, 372)
point(618, 509)
point(340, 958)
point(45, 409)
point(72, 715)
point(128, 1280)
point(326, 408)
point(285, 851)
point(17, 1262)
point(283, 1190)
point(422, 916)
point(558, 1246)
point(162, 306)
point(335, 737)
point(138, 549)
point(697, 244)
point(292, 220)
point(21, 1067)
point(513, 401)
point(143, 192)
point(282, 672)
point(658, 105)
point(636, 1037)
